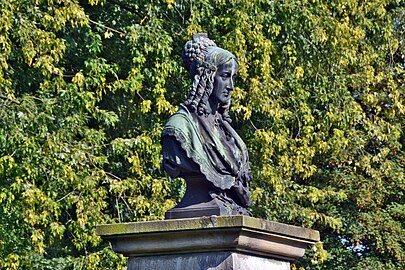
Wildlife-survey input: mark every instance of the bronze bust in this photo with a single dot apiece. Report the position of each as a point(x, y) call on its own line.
point(198, 142)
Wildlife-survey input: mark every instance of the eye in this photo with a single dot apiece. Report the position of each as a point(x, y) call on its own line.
point(225, 75)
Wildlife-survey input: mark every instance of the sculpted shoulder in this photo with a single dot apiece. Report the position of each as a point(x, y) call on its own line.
point(181, 125)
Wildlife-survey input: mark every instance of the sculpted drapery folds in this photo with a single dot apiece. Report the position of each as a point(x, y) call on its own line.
point(198, 142)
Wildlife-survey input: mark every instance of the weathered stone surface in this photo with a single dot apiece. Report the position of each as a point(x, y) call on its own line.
point(216, 242)
point(205, 223)
point(206, 261)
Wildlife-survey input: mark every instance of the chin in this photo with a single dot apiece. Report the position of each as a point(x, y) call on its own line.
point(224, 103)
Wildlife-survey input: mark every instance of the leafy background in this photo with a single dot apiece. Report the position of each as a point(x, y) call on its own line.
point(86, 86)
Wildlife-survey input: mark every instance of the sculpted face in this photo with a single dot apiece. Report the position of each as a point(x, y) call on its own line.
point(224, 82)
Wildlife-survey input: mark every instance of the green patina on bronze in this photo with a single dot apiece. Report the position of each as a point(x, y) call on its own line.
point(198, 142)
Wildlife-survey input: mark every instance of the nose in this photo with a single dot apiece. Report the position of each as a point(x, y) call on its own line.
point(230, 84)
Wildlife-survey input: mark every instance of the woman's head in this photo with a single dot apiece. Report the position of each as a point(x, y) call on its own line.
point(224, 79)
point(202, 58)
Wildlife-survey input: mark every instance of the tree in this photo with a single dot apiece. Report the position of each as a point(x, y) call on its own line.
point(86, 86)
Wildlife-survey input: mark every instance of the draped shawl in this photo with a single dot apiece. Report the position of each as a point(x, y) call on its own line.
point(210, 143)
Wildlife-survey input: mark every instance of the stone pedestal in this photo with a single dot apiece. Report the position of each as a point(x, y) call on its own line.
point(215, 242)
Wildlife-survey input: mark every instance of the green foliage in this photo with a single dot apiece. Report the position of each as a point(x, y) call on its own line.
point(86, 86)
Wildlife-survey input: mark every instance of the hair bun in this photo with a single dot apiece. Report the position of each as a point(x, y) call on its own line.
point(194, 50)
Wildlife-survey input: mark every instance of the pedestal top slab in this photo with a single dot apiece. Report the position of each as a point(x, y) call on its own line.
point(207, 223)
point(237, 234)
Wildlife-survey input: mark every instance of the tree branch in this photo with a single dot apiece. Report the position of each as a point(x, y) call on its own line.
point(108, 28)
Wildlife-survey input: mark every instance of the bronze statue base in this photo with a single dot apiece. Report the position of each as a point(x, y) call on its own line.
point(202, 198)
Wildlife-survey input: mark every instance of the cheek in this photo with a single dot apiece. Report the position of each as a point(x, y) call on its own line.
point(218, 85)
point(216, 82)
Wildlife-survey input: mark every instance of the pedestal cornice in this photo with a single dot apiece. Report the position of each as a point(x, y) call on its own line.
point(240, 234)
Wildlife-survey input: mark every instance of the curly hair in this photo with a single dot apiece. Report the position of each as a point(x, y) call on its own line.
point(201, 57)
